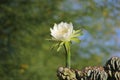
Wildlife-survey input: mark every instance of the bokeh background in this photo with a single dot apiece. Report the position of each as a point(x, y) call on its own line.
point(25, 54)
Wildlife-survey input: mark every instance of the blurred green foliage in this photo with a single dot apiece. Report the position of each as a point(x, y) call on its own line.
point(25, 53)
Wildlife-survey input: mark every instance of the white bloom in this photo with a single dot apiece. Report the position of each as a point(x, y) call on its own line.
point(62, 31)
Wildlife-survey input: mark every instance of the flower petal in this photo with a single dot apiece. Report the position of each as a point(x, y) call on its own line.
point(55, 27)
point(63, 31)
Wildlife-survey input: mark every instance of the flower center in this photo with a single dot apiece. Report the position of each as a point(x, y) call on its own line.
point(63, 31)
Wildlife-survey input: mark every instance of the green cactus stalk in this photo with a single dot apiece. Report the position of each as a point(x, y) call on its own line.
point(68, 54)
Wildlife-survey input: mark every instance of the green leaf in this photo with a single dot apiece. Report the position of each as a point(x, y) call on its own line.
point(58, 49)
point(53, 40)
point(55, 45)
point(76, 35)
point(77, 31)
point(76, 40)
point(60, 46)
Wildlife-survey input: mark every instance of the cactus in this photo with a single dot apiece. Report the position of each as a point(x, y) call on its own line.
point(112, 67)
point(66, 74)
point(111, 71)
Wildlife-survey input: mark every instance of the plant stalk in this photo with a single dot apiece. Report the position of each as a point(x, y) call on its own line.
point(68, 54)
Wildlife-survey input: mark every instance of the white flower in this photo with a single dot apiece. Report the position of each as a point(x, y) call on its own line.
point(64, 34)
point(62, 31)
